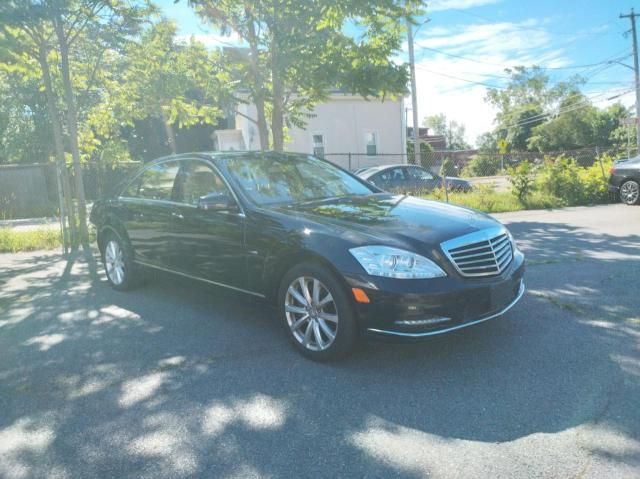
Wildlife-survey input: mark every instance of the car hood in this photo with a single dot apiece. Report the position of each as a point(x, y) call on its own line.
point(454, 179)
point(396, 219)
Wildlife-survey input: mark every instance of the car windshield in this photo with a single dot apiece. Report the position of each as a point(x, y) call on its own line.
point(292, 179)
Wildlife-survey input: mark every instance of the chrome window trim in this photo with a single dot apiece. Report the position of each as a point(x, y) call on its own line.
point(454, 328)
point(476, 237)
point(197, 278)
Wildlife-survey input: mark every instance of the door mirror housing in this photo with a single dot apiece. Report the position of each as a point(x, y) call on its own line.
point(217, 202)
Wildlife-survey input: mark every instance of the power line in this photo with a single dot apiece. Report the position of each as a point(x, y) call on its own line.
point(482, 62)
point(591, 74)
point(420, 67)
point(584, 103)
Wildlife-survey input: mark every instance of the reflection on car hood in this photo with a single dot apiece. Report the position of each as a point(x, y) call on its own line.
point(385, 216)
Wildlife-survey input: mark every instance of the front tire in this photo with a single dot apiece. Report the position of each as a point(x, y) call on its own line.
point(630, 192)
point(316, 313)
point(117, 257)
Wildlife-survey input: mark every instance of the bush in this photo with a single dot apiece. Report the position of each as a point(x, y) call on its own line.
point(482, 165)
point(564, 178)
point(522, 181)
point(448, 168)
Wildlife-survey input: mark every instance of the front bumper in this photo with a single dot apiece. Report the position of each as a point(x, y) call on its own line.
point(414, 309)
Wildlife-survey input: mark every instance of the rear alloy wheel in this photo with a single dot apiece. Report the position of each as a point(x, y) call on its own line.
point(114, 262)
point(316, 313)
point(630, 192)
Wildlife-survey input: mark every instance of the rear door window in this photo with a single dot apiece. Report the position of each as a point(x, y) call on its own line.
point(155, 182)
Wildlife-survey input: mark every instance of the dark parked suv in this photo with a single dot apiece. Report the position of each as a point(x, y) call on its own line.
point(337, 256)
point(624, 181)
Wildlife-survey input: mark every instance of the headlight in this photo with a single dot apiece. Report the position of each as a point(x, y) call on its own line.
point(514, 245)
point(395, 263)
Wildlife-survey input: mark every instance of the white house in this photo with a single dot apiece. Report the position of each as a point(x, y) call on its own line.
point(348, 130)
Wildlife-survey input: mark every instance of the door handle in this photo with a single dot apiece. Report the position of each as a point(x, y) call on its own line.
point(175, 214)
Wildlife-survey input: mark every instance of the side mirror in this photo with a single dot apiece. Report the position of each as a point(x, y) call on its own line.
point(216, 202)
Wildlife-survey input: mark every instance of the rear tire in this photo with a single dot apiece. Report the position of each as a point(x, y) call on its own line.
point(117, 258)
point(316, 313)
point(630, 192)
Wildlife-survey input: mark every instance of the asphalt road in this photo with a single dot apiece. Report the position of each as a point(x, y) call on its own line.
point(180, 380)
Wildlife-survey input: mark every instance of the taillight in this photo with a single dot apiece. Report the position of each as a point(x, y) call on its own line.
point(612, 170)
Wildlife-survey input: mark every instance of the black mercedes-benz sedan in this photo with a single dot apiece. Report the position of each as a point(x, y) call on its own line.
point(624, 180)
point(336, 255)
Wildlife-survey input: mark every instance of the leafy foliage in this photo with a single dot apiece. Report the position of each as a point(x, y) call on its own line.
point(522, 181)
point(564, 178)
point(483, 164)
point(299, 51)
point(533, 114)
point(426, 154)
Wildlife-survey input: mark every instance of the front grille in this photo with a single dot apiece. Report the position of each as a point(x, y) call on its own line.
point(487, 257)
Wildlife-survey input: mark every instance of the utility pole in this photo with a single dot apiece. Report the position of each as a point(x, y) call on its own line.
point(632, 16)
point(414, 96)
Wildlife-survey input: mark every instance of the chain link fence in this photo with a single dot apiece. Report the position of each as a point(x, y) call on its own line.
point(470, 163)
point(32, 190)
point(485, 172)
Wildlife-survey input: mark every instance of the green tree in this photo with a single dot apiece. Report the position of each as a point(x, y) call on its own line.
point(426, 154)
point(179, 84)
point(453, 131)
point(523, 104)
point(579, 124)
point(299, 50)
point(44, 35)
point(25, 135)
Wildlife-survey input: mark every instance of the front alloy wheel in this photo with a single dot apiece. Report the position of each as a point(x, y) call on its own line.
point(630, 192)
point(311, 313)
point(317, 312)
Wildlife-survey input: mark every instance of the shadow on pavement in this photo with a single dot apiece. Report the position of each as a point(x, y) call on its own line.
point(180, 380)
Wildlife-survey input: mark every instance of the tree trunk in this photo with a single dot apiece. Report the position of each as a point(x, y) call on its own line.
point(277, 111)
point(73, 130)
point(277, 114)
point(170, 133)
point(259, 93)
point(61, 168)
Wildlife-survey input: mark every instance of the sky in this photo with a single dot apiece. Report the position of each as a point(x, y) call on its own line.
point(463, 46)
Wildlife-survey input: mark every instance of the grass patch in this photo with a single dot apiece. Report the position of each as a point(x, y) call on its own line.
point(13, 241)
point(488, 200)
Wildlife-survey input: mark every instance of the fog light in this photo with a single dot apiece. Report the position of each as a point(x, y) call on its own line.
point(423, 322)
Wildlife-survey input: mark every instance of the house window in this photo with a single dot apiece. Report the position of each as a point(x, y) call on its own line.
point(371, 143)
point(318, 145)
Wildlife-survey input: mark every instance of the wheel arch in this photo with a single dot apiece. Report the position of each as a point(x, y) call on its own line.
point(113, 227)
point(287, 261)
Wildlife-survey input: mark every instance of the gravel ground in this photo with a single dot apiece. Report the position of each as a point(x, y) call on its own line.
point(180, 380)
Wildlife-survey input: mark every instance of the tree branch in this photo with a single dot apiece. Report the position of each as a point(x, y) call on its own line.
point(255, 122)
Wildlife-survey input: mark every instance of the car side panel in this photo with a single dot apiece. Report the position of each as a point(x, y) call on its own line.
point(148, 226)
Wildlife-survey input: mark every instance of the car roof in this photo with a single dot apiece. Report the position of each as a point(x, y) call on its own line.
point(375, 169)
point(221, 155)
